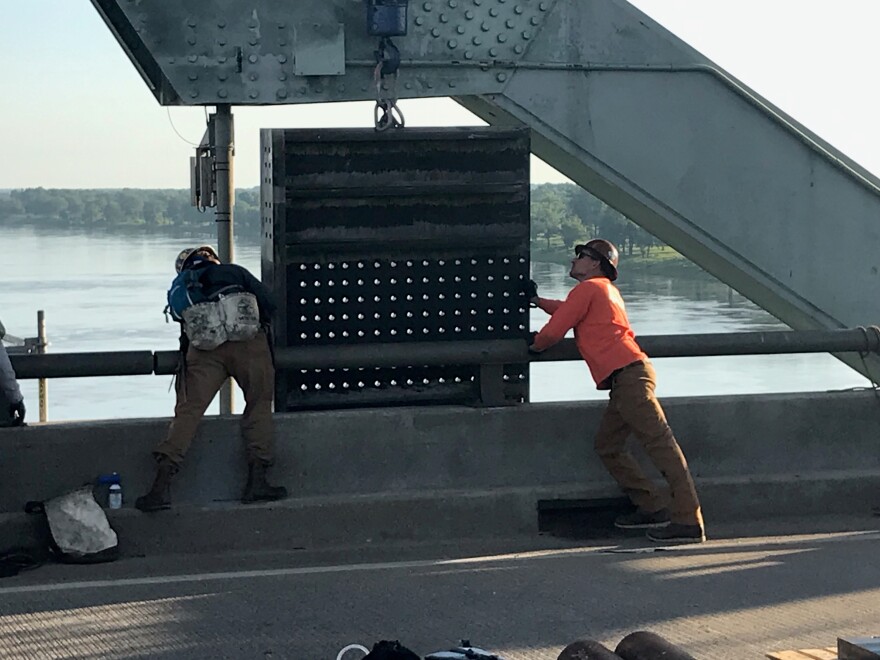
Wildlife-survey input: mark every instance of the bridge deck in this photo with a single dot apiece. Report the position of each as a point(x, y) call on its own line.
point(752, 589)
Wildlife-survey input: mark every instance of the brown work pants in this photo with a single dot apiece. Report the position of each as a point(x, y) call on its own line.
point(250, 364)
point(633, 408)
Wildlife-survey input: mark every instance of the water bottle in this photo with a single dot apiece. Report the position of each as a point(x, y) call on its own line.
point(114, 498)
point(114, 489)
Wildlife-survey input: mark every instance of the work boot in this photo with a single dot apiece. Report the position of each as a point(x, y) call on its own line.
point(159, 496)
point(676, 533)
point(257, 488)
point(639, 519)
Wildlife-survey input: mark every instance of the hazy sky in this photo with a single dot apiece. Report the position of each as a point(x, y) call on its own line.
point(75, 113)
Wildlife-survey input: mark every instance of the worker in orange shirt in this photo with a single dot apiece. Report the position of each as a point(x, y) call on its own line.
point(605, 340)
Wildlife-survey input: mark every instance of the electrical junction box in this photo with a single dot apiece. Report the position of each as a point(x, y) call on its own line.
point(387, 18)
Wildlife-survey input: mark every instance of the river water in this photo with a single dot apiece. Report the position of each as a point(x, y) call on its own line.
point(106, 292)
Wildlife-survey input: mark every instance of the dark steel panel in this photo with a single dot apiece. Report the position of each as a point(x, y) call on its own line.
point(410, 236)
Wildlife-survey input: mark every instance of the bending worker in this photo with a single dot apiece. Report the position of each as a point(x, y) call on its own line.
point(595, 310)
point(12, 408)
point(217, 344)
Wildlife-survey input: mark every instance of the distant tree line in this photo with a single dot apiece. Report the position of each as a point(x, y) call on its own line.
point(126, 207)
point(561, 214)
point(565, 214)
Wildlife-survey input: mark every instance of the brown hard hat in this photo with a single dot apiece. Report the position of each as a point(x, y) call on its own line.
point(606, 251)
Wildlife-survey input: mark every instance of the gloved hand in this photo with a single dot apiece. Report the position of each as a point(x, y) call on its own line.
point(531, 341)
point(530, 288)
point(16, 413)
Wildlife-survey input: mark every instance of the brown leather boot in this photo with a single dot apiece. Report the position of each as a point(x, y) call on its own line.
point(159, 496)
point(257, 488)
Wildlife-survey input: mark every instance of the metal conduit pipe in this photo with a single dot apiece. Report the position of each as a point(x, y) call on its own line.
point(73, 365)
point(509, 351)
point(858, 340)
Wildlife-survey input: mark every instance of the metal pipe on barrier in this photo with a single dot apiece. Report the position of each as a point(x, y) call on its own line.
point(76, 365)
point(508, 351)
point(859, 340)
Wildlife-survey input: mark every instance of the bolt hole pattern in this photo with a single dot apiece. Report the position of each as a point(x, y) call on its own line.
point(405, 300)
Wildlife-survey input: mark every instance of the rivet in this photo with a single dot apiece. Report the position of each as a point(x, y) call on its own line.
point(501, 77)
point(222, 59)
point(517, 10)
point(452, 83)
point(468, 55)
point(444, 18)
point(191, 41)
point(477, 41)
point(282, 76)
point(453, 3)
point(429, 85)
point(282, 42)
point(252, 23)
point(484, 26)
point(469, 15)
point(435, 32)
point(193, 58)
point(419, 20)
point(253, 41)
point(193, 93)
point(518, 49)
point(222, 76)
point(526, 35)
point(408, 85)
point(191, 22)
point(427, 6)
point(534, 20)
point(509, 23)
point(493, 12)
point(502, 38)
point(193, 77)
point(253, 75)
point(478, 2)
point(281, 93)
point(452, 43)
point(493, 52)
point(252, 58)
point(171, 60)
point(363, 88)
point(221, 24)
point(460, 29)
point(254, 94)
point(319, 89)
point(221, 41)
point(282, 25)
point(543, 6)
point(282, 58)
point(221, 93)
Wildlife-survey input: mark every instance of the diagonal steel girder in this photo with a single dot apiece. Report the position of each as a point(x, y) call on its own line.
point(614, 101)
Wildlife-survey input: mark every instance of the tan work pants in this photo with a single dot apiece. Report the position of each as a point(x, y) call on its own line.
point(633, 407)
point(250, 364)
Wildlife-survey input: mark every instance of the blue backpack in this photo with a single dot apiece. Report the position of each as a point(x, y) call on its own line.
point(186, 291)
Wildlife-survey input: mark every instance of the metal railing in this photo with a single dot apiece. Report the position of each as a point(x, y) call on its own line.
point(864, 340)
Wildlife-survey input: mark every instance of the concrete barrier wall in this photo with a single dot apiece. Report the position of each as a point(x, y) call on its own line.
point(545, 447)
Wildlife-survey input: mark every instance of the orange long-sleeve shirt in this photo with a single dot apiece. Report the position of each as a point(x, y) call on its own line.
point(605, 340)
